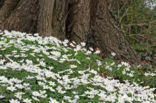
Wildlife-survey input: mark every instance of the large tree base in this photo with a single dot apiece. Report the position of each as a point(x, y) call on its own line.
point(78, 20)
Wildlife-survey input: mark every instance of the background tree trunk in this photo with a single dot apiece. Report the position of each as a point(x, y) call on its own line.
point(108, 35)
point(78, 20)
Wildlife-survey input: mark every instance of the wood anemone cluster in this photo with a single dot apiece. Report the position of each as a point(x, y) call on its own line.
point(78, 20)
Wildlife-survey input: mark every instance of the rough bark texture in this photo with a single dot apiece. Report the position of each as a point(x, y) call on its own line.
point(60, 14)
point(108, 35)
point(44, 25)
point(78, 20)
point(23, 18)
point(7, 8)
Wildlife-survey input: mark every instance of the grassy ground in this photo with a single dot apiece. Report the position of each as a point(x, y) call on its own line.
point(46, 70)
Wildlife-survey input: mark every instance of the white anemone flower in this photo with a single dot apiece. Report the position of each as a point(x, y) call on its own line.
point(35, 98)
point(11, 88)
point(97, 52)
point(73, 66)
point(27, 100)
point(113, 54)
point(1, 96)
point(19, 95)
point(35, 93)
point(83, 44)
point(56, 53)
point(53, 101)
point(14, 101)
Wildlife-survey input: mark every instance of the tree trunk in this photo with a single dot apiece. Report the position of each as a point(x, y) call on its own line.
point(78, 20)
point(1, 3)
point(60, 14)
point(7, 8)
point(23, 18)
point(108, 35)
point(44, 26)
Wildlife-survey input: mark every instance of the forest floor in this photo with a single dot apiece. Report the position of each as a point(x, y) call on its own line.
point(35, 69)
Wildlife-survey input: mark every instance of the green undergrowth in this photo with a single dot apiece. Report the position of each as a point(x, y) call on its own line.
point(46, 70)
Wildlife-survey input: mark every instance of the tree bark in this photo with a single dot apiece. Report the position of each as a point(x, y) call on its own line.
point(1, 3)
point(44, 25)
point(107, 33)
point(60, 14)
point(23, 18)
point(8, 6)
point(78, 20)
